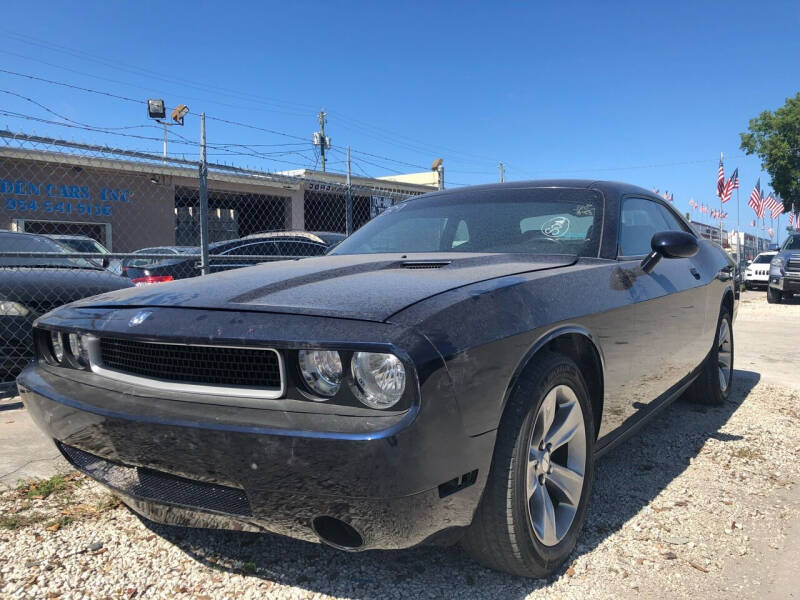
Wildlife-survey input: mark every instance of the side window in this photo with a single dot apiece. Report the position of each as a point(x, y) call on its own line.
point(461, 235)
point(258, 249)
point(296, 248)
point(640, 220)
point(671, 221)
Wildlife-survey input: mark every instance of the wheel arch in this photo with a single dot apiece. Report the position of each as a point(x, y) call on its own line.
point(580, 345)
point(727, 301)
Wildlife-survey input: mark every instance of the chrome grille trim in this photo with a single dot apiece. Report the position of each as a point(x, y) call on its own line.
point(229, 394)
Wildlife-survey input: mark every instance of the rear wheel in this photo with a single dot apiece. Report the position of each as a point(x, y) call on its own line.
point(713, 385)
point(537, 493)
point(774, 296)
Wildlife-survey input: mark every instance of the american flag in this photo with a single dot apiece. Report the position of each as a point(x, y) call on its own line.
point(774, 205)
point(752, 223)
point(720, 179)
point(731, 185)
point(791, 219)
point(755, 200)
point(671, 197)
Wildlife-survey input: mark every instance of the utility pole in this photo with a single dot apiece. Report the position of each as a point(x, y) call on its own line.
point(502, 173)
point(203, 198)
point(348, 199)
point(320, 139)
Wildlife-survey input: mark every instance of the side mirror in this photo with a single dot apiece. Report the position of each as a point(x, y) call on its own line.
point(106, 262)
point(669, 244)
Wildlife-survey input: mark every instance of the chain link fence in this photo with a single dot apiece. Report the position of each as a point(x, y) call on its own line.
point(108, 218)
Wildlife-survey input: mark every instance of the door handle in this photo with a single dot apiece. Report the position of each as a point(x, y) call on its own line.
point(694, 272)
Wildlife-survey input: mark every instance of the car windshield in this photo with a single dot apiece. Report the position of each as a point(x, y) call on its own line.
point(83, 245)
point(792, 243)
point(144, 262)
point(505, 220)
point(28, 243)
point(763, 258)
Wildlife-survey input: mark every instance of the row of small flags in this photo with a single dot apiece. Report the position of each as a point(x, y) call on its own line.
point(668, 196)
point(707, 210)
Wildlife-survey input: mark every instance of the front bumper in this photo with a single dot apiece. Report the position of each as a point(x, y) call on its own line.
point(785, 283)
point(756, 280)
point(392, 482)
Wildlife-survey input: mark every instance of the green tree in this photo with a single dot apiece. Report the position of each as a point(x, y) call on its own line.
point(775, 137)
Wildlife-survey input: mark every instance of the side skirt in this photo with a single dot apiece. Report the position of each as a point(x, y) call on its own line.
point(643, 419)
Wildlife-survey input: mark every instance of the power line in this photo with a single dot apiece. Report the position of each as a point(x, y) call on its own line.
point(60, 116)
point(171, 78)
point(394, 160)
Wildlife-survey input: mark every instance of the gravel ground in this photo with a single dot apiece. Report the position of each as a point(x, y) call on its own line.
point(701, 503)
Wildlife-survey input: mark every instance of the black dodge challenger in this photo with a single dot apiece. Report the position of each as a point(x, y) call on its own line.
point(450, 371)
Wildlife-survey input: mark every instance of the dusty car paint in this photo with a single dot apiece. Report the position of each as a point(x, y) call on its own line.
point(465, 331)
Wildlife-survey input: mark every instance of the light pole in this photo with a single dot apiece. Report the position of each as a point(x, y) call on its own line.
point(157, 111)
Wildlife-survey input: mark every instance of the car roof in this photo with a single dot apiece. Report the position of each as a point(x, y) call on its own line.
point(617, 186)
point(64, 236)
point(320, 237)
point(8, 232)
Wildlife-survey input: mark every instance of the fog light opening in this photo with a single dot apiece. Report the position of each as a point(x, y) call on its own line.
point(337, 533)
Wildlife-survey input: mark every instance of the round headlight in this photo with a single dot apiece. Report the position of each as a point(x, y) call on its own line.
point(321, 370)
point(78, 348)
point(57, 345)
point(380, 378)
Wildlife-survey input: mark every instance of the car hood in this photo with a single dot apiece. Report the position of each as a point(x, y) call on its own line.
point(368, 287)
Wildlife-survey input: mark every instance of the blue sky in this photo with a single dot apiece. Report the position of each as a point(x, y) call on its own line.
point(634, 91)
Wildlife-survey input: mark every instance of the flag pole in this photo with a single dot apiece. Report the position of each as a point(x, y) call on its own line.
point(720, 208)
point(738, 227)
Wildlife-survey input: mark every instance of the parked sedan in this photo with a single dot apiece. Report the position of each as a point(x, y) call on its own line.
point(449, 371)
point(82, 243)
point(30, 287)
point(138, 266)
point(263, 247)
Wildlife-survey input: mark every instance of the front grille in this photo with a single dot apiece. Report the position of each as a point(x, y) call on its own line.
point(793, 264)
point(155, 486)
point(202, 365)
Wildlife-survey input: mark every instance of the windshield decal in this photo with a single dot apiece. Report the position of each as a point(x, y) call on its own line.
point(556, 227)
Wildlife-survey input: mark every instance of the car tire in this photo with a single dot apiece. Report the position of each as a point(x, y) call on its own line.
point(526, 523)
point(748, 287)
point(774, 296)
point(713, 385)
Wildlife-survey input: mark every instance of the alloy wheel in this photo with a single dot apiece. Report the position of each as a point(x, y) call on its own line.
point(724, 354)
point(556, 465)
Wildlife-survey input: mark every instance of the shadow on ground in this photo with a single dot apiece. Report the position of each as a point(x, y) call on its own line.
point(626, 480)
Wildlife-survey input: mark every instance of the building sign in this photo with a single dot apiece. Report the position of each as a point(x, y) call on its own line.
point(36, 197)
point(378, 204)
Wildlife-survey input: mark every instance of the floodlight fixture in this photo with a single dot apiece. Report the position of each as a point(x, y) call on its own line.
point(156, 109)
point(179, 112)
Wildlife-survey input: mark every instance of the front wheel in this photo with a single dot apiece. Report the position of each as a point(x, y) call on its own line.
point(774, 296)
point(538, 488)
